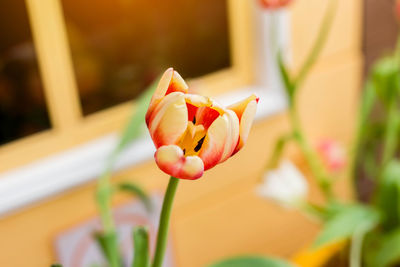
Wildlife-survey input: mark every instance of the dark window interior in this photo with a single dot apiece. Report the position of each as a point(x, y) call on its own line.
point(22, 104)
point(380, 29)
point(120, 46)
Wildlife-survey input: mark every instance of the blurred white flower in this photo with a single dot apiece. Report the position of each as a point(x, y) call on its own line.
point(286, 185)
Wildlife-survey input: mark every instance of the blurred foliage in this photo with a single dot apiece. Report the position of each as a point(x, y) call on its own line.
point(253, 261)
point(374, 227)
point(344, 221)
point(107, 238)
point(378, 125)
point(141, 256)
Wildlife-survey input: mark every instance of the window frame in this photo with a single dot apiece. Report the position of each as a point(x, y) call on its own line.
point(69, 127)
point(74, 151)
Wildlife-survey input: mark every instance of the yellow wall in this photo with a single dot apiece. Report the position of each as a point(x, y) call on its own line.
point(219, 215)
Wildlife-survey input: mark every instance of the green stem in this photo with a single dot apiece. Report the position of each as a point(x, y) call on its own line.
point(103, 195)
point(163, 227)
point(397, 51)
point(356, 245)
point(390, 138)
point(368, 99)
point(277, 152)
point(313, 210)
point(311, 157)
point(392, 125)
point(318, 44)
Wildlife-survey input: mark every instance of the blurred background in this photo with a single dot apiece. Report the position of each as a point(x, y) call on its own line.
point(102, 54)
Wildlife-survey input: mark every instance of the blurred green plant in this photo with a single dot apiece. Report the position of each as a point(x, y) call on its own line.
point(107, 238)
point(253, 261)
point(339, 216)
point(371, 225)
point(292, 83)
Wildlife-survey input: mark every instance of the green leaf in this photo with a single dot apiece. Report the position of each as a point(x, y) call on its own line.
point(252, 261)
point(385, 77)
point(357, 243)
point(137, 191)
point(385, 251)
point(289, 86)
point(367, 103)
point(141, 245)
point(136, 122)
point(343, 224)
point(108, 245)
point(388, 195)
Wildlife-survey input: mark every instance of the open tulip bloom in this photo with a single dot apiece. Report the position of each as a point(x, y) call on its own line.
point(193, 133)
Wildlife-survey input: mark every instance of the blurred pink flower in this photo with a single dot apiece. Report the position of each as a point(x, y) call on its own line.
point(397, 9)
point(273, 4)
point(332, 154)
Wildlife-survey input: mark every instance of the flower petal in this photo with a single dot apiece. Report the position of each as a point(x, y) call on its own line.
point(286, 185)
point(171, 160)
point(169, 120)
point(206, 114)
point(232, 136)
point(246, 111)
point(241, 106)
point(170, 82)
point(193, 103)
point(273, 4)
point(213, 146)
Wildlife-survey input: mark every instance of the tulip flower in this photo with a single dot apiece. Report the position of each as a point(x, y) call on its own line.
point(274, 4)
point(286, 185)
point(193, 133)
point(332, 154)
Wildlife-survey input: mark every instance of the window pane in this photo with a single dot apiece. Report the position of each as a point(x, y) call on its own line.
point(22, 105)
point(119, 47)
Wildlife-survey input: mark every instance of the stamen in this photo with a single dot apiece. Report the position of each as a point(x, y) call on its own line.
point(199, 144)
point(184, 151)
point(194, 120)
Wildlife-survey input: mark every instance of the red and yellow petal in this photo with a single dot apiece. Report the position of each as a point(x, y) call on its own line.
point(213, 146)
point(246, 121)
point(206, 114)
point(170, 82)
point(241, 106)
point(232, 136)
point(193, 103)
point(169, 120)
point(171, 160)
